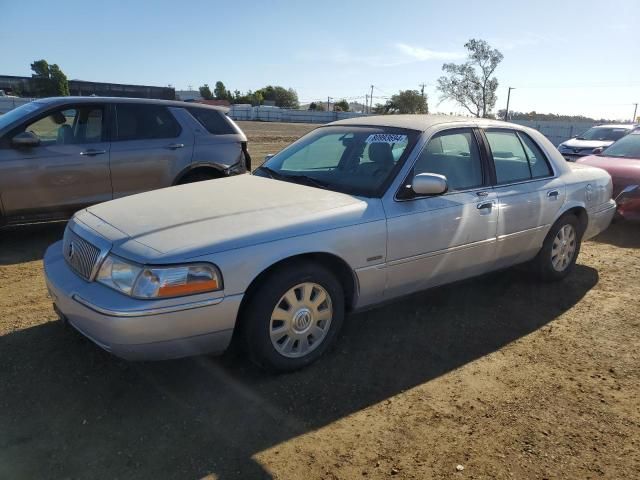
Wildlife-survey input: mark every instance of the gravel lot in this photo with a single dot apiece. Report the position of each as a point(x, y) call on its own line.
point(497, 377)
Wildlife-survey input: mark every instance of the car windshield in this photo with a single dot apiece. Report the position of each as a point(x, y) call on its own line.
point(17, 113)
point(627, 147)
point(354, 160)
point(606, 134)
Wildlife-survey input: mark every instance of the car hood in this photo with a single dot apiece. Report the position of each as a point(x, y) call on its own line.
point(222, 214)
point(575, 143)
point(623, 171)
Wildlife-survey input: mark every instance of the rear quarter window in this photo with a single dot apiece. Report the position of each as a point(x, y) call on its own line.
point(212, 120)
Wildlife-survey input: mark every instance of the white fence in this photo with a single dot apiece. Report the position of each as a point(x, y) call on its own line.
point(275, 114)
point(9, 103)
point(556, 131)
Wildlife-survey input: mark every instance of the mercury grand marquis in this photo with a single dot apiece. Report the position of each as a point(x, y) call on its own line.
point(354, 213)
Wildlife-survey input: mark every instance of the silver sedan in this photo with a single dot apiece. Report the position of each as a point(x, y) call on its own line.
point(355, 213)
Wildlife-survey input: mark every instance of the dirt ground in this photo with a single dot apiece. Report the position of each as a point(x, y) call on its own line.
point(501, 375)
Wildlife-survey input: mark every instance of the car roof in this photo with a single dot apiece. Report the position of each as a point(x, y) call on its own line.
point(417, 122)
point(146, 101)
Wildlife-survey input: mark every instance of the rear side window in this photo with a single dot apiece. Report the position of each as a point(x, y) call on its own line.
point(144, 122)
point(516, 157)
point(212, 120)
point(537, 160)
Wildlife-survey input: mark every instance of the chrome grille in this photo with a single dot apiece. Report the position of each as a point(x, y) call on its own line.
point(79, 254)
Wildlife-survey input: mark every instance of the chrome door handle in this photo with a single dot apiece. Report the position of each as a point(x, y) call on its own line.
point(482, 194)
point(92, 153)
point(175, 146)
point(553, 194)
point(485, 205)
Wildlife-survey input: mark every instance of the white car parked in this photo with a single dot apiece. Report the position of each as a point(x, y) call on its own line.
point(354, 213)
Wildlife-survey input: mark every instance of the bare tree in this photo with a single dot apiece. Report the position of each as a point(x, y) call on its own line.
point(471, 84)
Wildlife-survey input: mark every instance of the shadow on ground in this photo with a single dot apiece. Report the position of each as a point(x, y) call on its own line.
point(25, 244)
point(69, 410)
point(621, 234)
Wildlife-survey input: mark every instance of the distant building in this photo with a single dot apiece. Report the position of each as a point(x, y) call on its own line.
point(24, 86)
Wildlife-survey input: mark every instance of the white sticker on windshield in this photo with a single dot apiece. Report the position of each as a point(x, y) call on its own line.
point(386, 138)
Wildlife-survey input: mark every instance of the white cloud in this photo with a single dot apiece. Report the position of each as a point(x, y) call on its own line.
point(424, 54)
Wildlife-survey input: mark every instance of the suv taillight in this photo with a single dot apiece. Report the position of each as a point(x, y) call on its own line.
point(247, 157)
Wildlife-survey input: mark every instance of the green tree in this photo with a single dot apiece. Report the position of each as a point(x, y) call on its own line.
point(49, 80)
point(341, 106)
point(283, 97)
point(408, 101)
point(220, 91)
point(316, 106)
point(205, 92)
point(471, 84)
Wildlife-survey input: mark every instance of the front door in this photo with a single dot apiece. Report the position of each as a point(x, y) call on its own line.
point(67, 170)
point(439, 239)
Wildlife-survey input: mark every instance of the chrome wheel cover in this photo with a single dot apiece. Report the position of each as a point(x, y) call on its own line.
point(563, 248)
point(300, 320)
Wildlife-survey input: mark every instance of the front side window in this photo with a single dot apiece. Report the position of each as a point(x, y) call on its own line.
point(144, 122)
point(356, 160)
point(456, 156)
point(70, 126)
point(627, 147)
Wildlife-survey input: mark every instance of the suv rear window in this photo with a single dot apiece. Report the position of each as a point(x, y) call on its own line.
point(143, 122)
point(212, 120)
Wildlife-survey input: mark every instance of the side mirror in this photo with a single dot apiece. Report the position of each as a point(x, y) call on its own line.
point(25, 139)
point(597, 150)
point(268, 156)
point(429, 184)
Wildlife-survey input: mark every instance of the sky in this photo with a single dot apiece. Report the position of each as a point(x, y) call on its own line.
point(561, 56)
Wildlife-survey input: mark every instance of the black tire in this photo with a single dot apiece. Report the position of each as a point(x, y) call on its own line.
point(197, 177)
point(543, 264)
point(256, 316)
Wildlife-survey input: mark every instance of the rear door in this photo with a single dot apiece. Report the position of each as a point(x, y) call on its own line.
point(149, 147)
point(529, 194)
point(68, 170)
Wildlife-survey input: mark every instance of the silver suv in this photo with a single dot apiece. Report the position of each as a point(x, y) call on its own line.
point(58, 155)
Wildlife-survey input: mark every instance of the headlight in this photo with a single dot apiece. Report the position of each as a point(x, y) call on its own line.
point(561, 146)
point(159, 282)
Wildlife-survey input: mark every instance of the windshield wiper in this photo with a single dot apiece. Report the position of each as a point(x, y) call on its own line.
point(272, 173)
point(306, 179)
point(292, 178)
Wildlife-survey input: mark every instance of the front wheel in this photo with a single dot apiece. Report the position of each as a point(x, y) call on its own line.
point(293, 317)
point(560, 249)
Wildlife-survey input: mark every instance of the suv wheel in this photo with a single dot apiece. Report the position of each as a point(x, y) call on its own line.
point(198, 177)
point(560, 249)
point(293, 317)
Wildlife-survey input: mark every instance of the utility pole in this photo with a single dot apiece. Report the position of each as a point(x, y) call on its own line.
point(506, 114)
point(635, 110)
point(422, 85)
point(371, 99)
point(366, 103)
point(328, 102)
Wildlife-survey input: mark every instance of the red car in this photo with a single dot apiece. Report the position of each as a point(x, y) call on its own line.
point(622, 161)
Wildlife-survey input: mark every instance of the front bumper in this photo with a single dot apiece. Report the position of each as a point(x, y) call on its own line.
point(600, 220)
point(140, 329)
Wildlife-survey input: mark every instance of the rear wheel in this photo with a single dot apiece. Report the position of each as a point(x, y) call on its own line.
point(198, 176)
point(560, 249)
point(293, 317)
